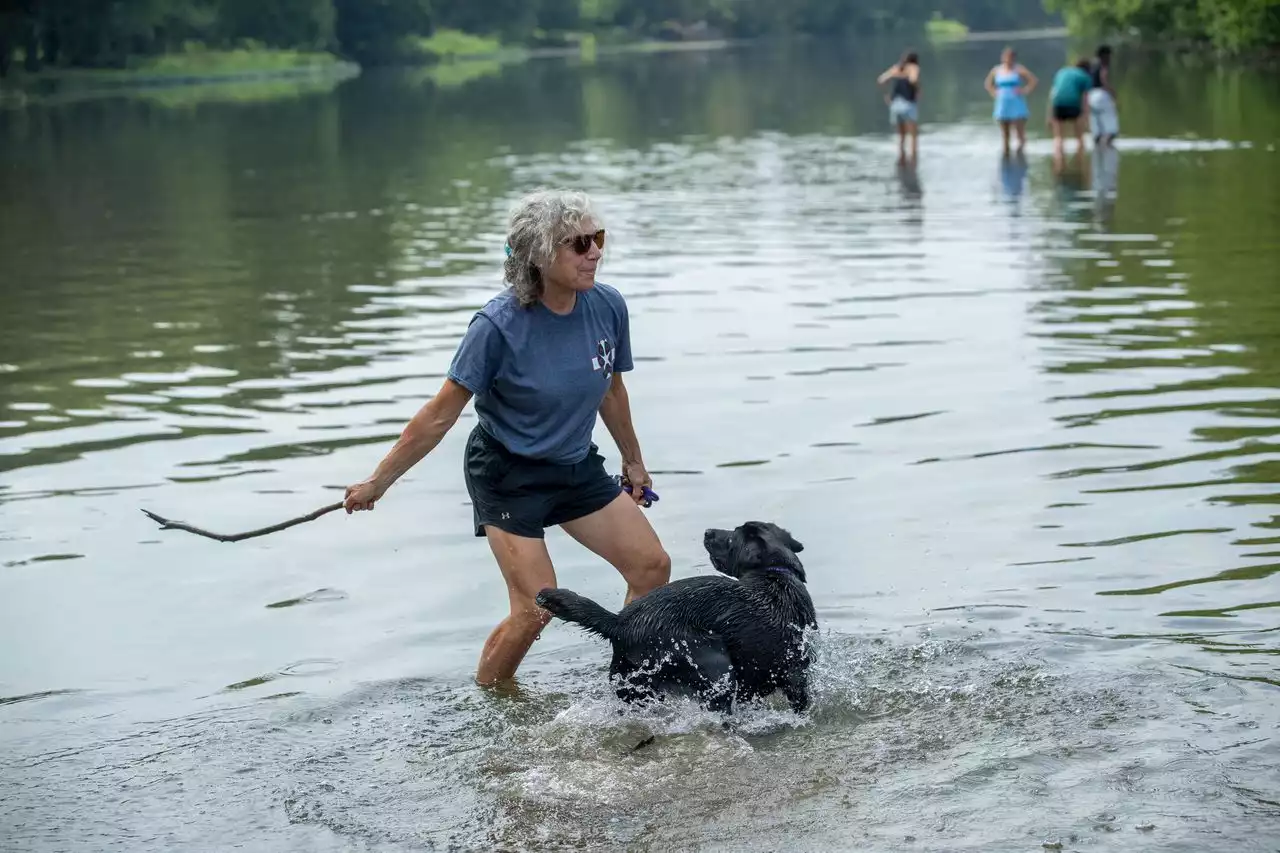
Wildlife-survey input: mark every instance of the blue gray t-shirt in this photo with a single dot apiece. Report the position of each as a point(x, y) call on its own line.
point(539, 377)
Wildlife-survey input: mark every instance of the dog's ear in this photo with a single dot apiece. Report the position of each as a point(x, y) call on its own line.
point(753, 544)
point(767, 535)
point(765, 531)
point(791, 541)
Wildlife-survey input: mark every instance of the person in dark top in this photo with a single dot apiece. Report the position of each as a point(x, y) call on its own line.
point(903, 99)
point(541, 359)
point(1104, 118)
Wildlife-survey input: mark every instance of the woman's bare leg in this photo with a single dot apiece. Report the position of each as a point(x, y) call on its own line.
point(526, 567)
point(623, 536)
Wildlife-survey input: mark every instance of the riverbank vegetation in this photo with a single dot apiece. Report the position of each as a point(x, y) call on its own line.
point(211, 38)
point(1231, 27)
point(228, 36)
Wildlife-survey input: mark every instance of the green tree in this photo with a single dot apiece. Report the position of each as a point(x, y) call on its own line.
point(369, 31)
point(109, 33)
point(1231, 26)
point(307, 24)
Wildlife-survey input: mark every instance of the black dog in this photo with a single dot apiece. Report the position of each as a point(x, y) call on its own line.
point(711, 637)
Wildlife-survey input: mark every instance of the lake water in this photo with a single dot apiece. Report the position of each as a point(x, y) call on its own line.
point(1025, 420)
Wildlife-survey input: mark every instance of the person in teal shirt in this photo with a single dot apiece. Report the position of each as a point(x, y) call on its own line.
point(1068, 103)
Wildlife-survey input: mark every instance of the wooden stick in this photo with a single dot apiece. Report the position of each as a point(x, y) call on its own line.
point(170, 524)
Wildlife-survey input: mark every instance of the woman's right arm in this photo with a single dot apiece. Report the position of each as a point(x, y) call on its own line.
point(419, 437)
point(990, 82)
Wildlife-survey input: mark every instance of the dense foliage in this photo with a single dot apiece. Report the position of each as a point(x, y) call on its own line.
point(1232, 26)
point(113, 33)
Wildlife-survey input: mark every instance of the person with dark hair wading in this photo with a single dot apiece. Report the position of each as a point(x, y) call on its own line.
point(903, 99)
point(1104, 118)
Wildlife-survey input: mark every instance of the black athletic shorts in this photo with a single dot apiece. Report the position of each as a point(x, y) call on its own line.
point(524, 496)
point(1066, 113)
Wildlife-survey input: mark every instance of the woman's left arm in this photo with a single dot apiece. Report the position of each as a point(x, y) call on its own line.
point(616, 413)
point(1031, 79)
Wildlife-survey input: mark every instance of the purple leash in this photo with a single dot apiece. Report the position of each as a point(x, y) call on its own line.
point(650, 496)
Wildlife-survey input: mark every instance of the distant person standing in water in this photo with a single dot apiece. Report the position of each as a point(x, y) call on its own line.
point(1068, 102)
point(1009, 83)
point(903, 97)
point(1104, 119)
point(541, 359)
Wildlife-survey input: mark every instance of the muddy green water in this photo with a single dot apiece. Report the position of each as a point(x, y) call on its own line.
point(1026, 420)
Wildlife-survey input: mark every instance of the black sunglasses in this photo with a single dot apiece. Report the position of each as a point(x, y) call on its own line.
point(582, 242)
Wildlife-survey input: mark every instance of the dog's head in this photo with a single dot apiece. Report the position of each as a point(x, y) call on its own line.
point(755, 546)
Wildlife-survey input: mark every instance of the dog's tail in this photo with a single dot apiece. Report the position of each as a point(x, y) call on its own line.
point(572, 607)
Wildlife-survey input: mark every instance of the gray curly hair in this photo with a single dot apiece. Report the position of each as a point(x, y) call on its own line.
point(538, 223)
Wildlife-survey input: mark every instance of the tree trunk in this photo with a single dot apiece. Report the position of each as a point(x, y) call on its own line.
point(31, 44)
point(52, 44)
point(7, 23)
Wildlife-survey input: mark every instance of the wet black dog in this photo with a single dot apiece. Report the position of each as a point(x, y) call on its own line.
point(718, 639)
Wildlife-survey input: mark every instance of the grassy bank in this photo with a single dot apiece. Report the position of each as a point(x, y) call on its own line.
point(461, 67)
point(939, 28)
point(201, 62)
point(448, 45)
point(194, 65)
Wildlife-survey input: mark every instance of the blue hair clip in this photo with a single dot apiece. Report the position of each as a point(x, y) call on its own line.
point(507, 248)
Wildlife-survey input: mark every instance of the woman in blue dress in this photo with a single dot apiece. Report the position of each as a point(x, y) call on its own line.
point(1009, 83)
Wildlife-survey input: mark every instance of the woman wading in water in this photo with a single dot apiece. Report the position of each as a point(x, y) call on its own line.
point(903, 98)
point(1009, 83)
point(541, 359)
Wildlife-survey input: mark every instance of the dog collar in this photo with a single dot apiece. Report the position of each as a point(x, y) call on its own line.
point(785, 570)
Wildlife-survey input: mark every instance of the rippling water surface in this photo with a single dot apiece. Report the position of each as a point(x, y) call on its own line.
point(1025, 419)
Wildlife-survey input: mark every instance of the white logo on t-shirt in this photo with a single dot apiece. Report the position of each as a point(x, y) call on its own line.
point(603, 359)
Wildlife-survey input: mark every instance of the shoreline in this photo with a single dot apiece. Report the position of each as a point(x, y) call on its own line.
point(653, 46)
point(21, 88)
point(62, 81)
point(516, 53)
point(1010, 35)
